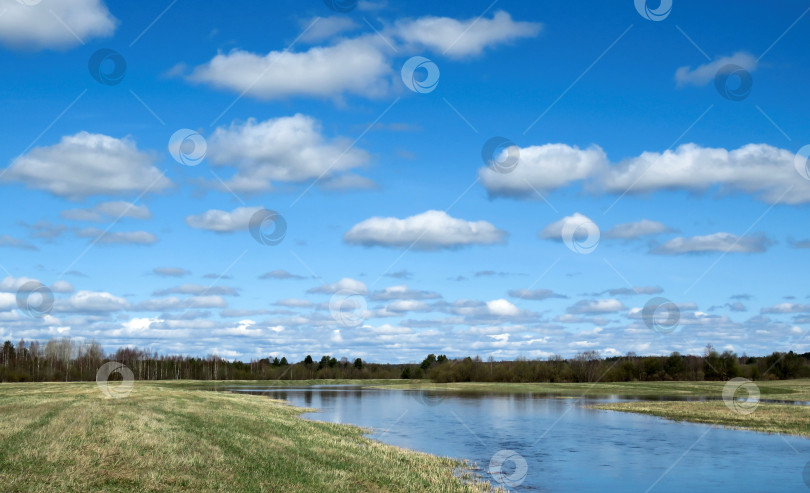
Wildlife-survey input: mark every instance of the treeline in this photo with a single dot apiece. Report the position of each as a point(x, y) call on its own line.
point(68, 361)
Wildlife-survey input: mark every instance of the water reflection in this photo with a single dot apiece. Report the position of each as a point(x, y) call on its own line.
point(566, 447)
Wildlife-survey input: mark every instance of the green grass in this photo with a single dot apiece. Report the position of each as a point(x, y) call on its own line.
point(166, 437)
point(792, 390)
point(766, 417)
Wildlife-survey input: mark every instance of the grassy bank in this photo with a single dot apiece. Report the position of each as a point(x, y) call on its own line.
point(791, 390)
point(771, 418)
point(70, 437)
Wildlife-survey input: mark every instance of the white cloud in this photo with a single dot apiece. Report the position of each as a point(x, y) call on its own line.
point(354, 66)
point(753, 168)
point(542, 168)
point(345, 284)
point(402, 292)
point(88, 164)
point(321, 28)
point(401, 306)
point(760, 169)
point(787, 308)
point(108, 210)
point(49, 23)
point(502, 307)
point(554, 231)
point(92, 301)
point(223, 221)
point(62, 287)
point(110, 237)
point(703, 74)
point(429, 230)
point(294, 303)
point(285, 149)
point(460, 38)
point(629, 231)
point(174, 303)
point(593, 307)
point(716, 242)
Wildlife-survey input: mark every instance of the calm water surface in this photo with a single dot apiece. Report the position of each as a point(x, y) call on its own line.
point(565, 447)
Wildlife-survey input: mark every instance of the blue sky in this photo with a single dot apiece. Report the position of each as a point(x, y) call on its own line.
point(634, 179)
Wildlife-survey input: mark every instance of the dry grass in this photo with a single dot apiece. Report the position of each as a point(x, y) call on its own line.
point(771, 418)
point(70, 437)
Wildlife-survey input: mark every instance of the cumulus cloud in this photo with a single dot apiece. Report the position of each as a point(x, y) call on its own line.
point(354, 66)
point(716, 242)
point(595, 307)
point(285, 149)
point(402, 292)
point(124, 238)
point(759, 169)
point(221, 221)
point(754, 168)
point(431, 230)
point(461, 38)
point(321, 28)
point(787, 308)
point(92, 302)
point(362, 65)
point(554, 231)
point(345, 284)
point(543, 168)
point(534, 294)
point(88, 164)
point(638, 229)
point(703, 74)
point(108, 210)
point(55, 24)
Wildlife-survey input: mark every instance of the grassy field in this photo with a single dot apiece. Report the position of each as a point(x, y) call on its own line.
point(771, 418)
point(70, 437)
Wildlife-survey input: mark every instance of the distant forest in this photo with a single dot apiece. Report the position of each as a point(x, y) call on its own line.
point(65, 360)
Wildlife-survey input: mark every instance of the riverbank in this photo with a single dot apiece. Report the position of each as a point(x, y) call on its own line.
point(71, 437)
point(766, 417)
